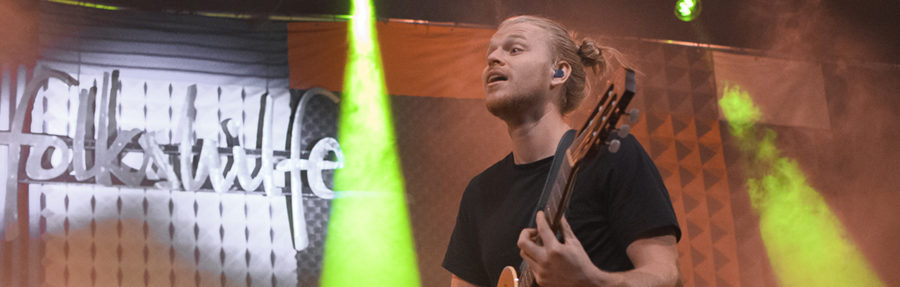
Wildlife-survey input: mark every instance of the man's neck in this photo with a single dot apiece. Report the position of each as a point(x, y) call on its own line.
point(536, 138)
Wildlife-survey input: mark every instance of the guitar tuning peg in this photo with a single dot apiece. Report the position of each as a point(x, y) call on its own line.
point(634, 116)
point(614, 146)
point(623, 131)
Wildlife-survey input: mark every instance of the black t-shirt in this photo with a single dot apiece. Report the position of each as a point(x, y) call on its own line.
point(617, 198)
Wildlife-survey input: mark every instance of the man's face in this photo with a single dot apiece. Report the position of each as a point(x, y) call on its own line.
point(519, 69)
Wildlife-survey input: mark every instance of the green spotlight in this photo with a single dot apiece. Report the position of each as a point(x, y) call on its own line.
point(805, 242)
point(687, 10)
point(369, 240)
point(85, 4)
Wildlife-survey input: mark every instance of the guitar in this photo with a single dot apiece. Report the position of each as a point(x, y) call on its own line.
point(595, 134)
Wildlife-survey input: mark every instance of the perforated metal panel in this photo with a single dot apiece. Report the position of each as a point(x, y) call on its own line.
point(320, 120)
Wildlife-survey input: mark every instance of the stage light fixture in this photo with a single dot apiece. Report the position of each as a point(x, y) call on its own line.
point(369, 238)
point(805, 242)
point(687, 10)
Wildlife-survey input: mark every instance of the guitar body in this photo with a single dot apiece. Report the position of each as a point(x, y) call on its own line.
point(597, 132)
point(508, 278)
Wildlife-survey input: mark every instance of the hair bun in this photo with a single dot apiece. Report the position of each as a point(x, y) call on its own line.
point(589, 52)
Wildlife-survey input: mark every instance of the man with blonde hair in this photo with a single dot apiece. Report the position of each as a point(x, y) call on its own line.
point(620, 228)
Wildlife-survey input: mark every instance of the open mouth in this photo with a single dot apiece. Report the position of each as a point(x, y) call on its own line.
point(496, 78)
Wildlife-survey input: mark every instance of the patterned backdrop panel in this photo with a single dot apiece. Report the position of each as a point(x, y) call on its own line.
point(105, 236)
point(679, 128)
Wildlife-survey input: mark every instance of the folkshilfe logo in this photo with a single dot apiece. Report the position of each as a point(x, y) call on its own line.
point(95, 154)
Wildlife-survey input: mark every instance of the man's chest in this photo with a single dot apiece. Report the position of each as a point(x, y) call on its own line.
point(512, 209)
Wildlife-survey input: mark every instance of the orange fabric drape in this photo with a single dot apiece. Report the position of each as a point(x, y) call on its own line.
point(18, 37)
point(419, 60)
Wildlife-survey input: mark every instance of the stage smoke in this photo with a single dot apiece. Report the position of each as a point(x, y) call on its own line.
point(805, 242)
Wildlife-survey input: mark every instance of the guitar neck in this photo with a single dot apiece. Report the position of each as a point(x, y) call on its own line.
point(558, 199)
point(557, 202)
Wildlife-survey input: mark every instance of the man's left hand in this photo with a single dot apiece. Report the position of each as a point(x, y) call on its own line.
point(552, 262)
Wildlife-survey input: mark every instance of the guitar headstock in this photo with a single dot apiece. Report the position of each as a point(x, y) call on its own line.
point(601, 130)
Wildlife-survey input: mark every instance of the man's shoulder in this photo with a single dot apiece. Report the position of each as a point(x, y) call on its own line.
point(499, 167)
point(604, 165)
point(475, 191)
point(629, 149)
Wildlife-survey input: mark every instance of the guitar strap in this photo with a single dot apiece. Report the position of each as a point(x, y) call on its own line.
point(558, 158)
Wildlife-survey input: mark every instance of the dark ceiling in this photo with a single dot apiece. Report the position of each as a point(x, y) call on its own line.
point(862, 30)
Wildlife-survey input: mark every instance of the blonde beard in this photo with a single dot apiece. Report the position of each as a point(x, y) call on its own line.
point(509, 107)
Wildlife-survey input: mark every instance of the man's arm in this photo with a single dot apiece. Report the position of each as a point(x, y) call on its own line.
point(655, 262)
point(455, 281)
point(567, 264)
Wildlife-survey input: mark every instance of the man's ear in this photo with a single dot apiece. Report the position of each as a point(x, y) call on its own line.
point(561, 72)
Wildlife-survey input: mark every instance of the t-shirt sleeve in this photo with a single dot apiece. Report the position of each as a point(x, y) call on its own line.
point(463, 253)
point(639, 203)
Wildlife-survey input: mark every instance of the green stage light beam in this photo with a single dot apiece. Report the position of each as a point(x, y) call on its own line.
point(687, 10)
point(369, 239)
point(86, 4)
point(806, 243)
